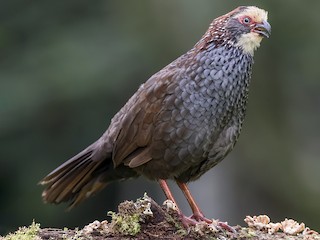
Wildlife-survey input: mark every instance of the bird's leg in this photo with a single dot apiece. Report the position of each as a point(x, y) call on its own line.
point(197, 213)
point(166, 190)
point(186, 221)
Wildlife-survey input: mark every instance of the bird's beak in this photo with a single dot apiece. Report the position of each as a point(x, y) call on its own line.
point(264, 29)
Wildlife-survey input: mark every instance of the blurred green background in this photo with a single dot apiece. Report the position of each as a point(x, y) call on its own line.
point(66, 67)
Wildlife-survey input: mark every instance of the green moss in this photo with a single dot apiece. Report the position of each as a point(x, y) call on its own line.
point(25, 233)
point(130, 215)
point(125, 224)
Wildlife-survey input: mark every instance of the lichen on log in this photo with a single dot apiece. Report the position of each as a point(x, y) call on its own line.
point(145, 219)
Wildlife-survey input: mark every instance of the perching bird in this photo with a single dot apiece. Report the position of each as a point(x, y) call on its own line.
point(179, 124)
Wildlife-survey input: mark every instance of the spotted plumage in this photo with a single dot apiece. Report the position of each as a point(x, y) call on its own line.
point(180, 123)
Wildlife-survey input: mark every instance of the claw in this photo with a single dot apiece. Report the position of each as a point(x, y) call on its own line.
point(187, 221)
point(199, 217)
point(226, 227)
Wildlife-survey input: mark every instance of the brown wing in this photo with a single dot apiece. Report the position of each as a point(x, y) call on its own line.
point(136, 121)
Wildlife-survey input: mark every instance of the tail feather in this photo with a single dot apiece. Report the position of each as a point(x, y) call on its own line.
point(74, 180)
point(64, 168)
point(86, 173)
point(79, 176)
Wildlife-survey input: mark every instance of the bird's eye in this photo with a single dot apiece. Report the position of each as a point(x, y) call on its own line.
point(246, 20)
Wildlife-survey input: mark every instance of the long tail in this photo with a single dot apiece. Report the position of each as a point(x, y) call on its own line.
point(78, 178)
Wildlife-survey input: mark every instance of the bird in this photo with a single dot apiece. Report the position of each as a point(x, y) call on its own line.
point(179, 124)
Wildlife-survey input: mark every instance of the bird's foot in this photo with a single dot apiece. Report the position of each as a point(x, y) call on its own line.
point(199, 217)
point(194, 219)
point(187, 221)
point(226, 227)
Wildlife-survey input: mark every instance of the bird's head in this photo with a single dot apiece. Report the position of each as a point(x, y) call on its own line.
point(243, 27)
point(248, 26)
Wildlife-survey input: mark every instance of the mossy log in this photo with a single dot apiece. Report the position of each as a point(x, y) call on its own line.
point(145, 219)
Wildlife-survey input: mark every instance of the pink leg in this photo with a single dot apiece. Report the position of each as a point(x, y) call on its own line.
point(197, 213)
point(185, 220)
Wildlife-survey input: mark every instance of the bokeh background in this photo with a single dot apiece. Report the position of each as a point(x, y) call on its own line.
point(66, 67)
